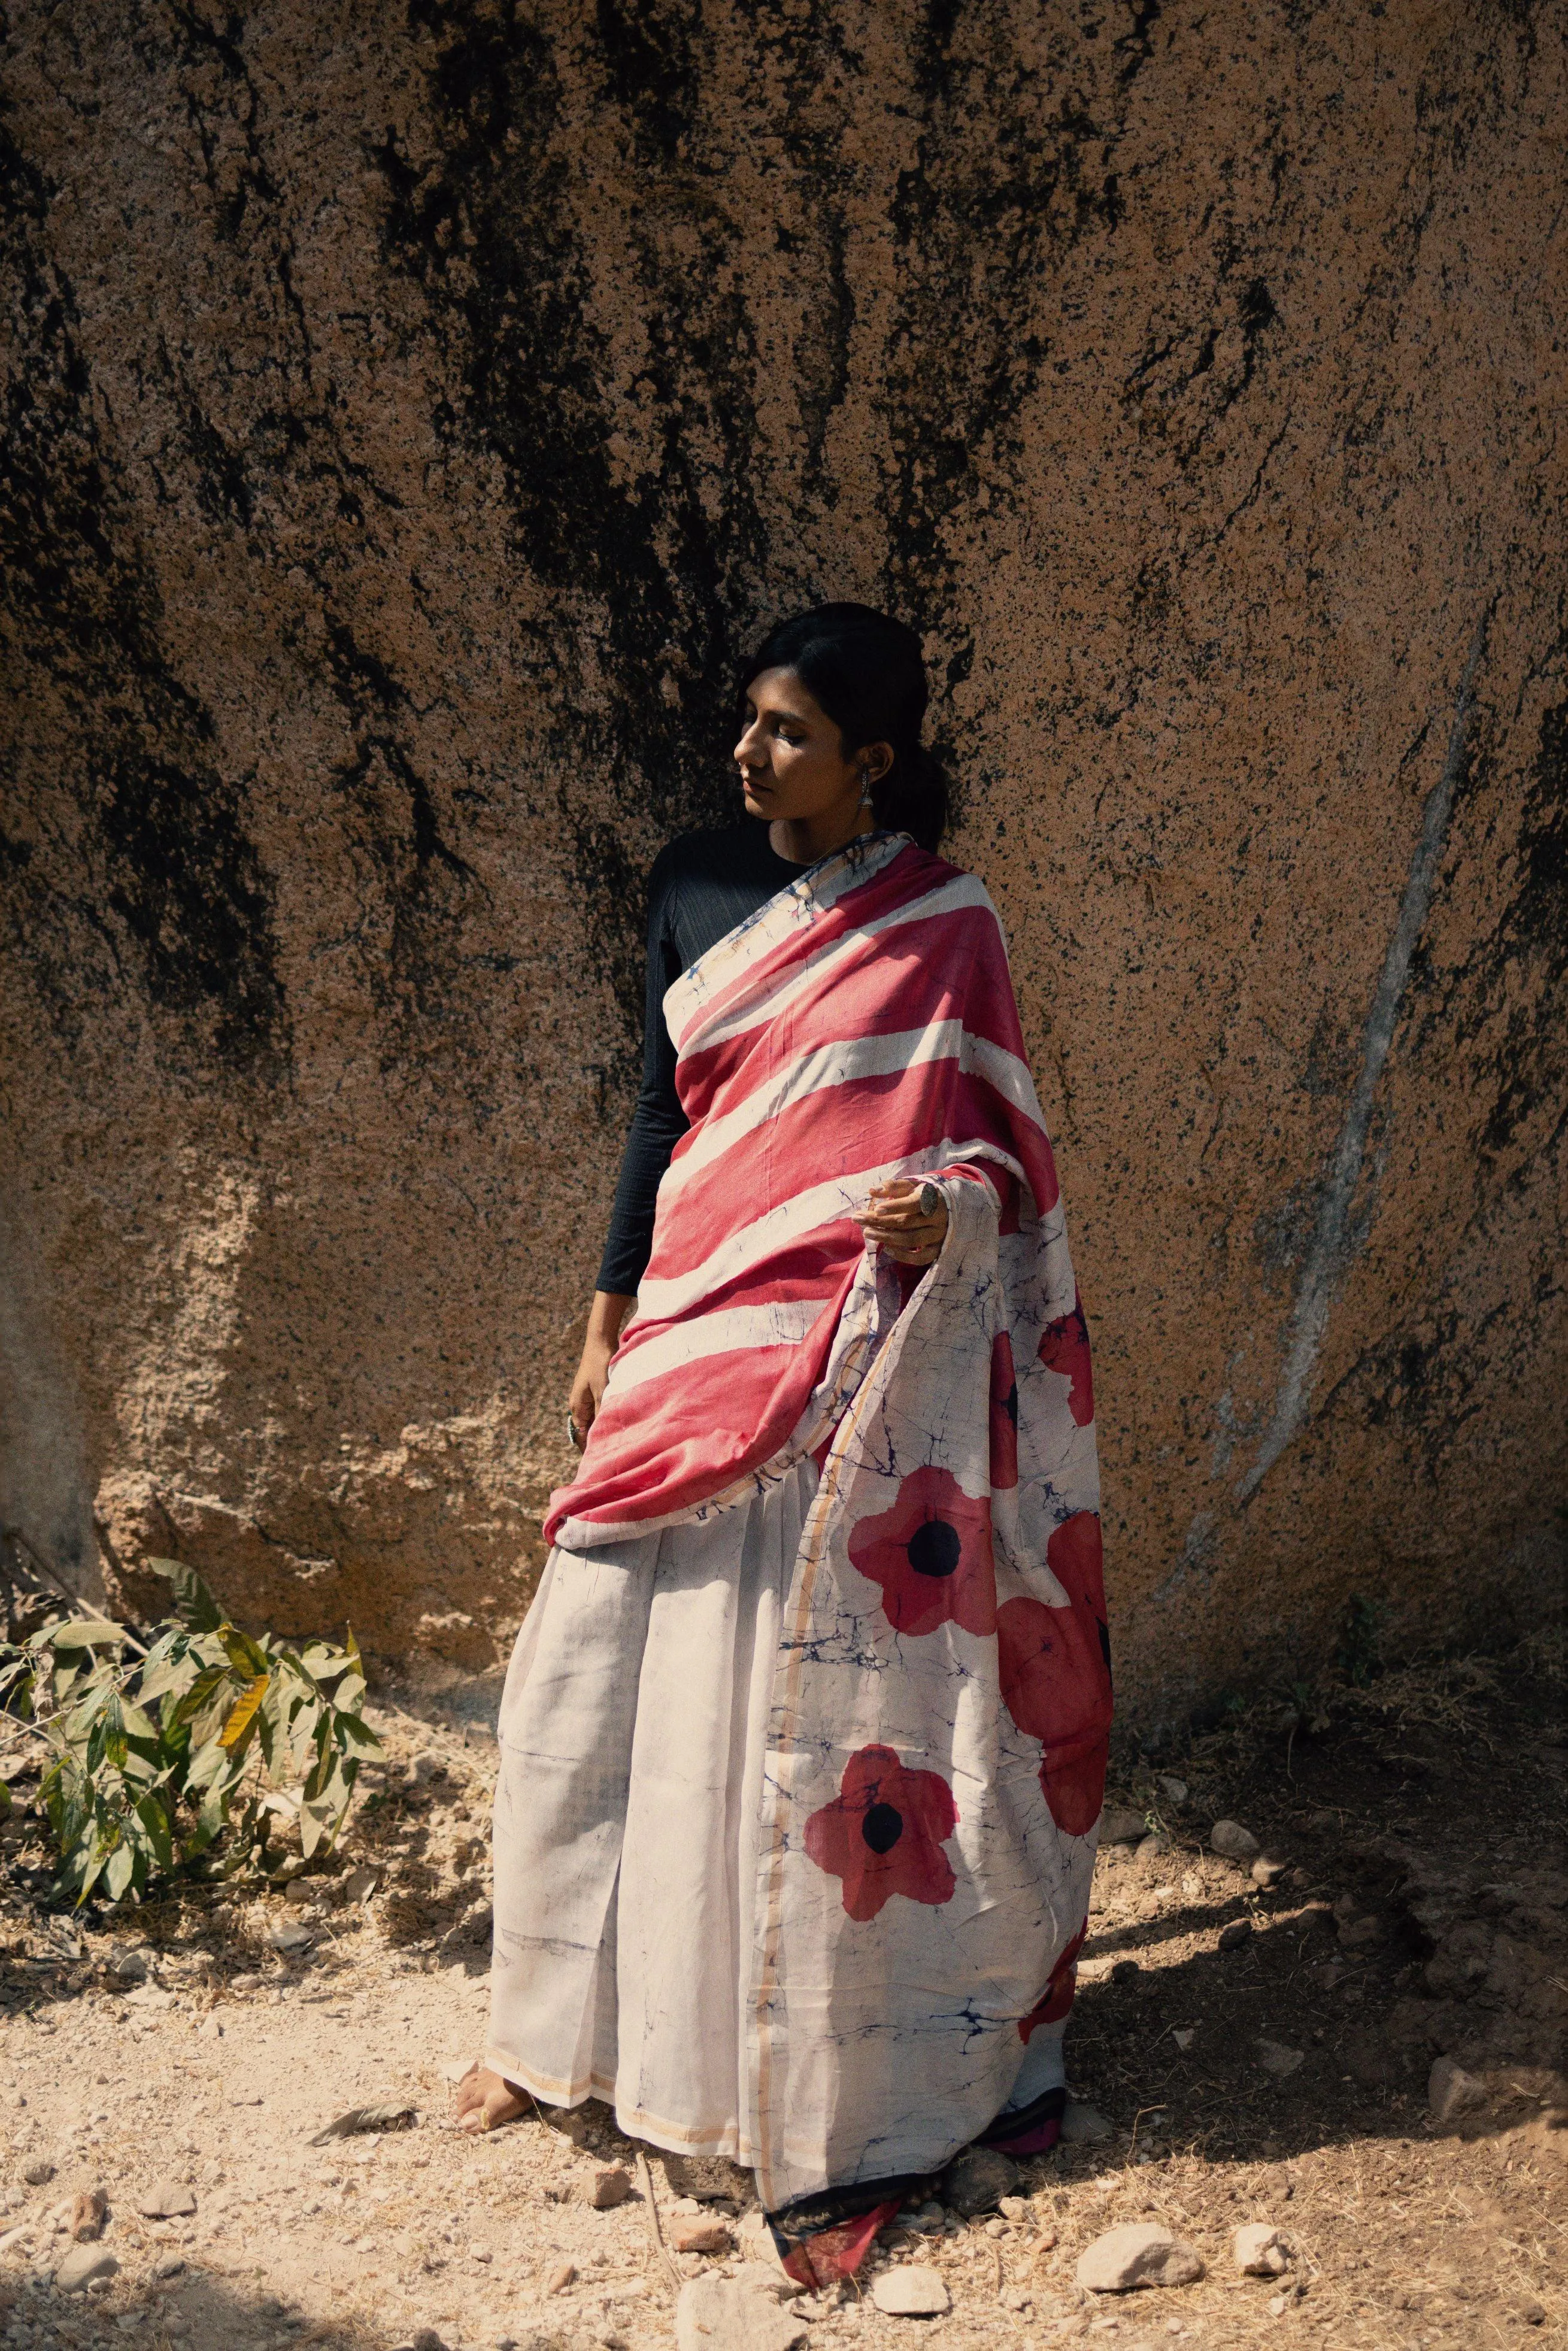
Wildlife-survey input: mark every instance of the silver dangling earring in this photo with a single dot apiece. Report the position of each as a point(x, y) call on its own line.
point(865, 789)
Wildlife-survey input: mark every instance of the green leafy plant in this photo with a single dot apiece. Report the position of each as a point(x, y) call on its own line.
point(157, 1748)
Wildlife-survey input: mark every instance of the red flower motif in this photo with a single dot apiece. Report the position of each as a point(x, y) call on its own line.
point(1076, 1557)
point(1074, 1785)
point(1055, 1663)
point(1054, 1666)
point(883, 1832)
point(931, 1553)
point(1057, 1998)
point(1003, 1414)
point(1064, 1347)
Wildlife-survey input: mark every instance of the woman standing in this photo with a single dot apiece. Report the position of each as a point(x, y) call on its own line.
point(803, 1742)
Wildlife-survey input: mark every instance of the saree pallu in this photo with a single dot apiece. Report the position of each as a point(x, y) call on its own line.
point(928, 1787)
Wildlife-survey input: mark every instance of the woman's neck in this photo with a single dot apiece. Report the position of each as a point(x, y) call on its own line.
point(801, 840)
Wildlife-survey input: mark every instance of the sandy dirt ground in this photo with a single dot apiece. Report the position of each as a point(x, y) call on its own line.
point(1258, 2051)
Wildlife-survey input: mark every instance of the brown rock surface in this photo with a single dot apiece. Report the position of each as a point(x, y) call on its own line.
point(406, 417)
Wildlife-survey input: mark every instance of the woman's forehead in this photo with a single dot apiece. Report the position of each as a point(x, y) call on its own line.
point(782, 690)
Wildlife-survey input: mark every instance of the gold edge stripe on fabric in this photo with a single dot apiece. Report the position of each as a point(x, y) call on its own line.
point(565, 2098)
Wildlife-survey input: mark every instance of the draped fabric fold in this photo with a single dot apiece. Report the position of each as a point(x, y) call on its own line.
point(935, 1757)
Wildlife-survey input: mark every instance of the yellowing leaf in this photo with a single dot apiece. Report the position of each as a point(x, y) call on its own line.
point(242, 1714)
point(243, 1653)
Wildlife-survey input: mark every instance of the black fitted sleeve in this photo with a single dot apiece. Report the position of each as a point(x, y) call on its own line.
point(658, 1122)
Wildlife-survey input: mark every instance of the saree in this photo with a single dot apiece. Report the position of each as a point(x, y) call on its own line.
point(928, 1793)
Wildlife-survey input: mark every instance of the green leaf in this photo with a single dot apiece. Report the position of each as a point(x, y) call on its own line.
point(300, 1671)
point(209, 1823)
point(84, 1870)
point(160, 1674)
point(78, 1633)
point(210, 1680)
point(194, 1602)
point(356, 1733)
point(302, 1733)
point(137, 1724)
point(155, 1822)
point(316, 1822)
point(213, 1766)
point(119, 1870)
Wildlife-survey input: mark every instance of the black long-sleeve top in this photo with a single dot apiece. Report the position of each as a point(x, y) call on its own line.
point(701, 886)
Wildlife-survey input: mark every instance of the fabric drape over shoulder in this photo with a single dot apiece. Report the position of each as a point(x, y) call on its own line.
point(936, 1753)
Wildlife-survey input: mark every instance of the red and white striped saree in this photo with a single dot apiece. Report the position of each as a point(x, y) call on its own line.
point(942, 1696)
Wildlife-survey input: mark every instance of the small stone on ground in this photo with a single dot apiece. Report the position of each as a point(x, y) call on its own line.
point(169, 2200)
point(1260, 2249)
point(1081, 2122)
point(90, 2211)
point(761, 2279)
point(717, 2313)
point(977, 2180)
point(1139, 2253)
point(699, 2235)
point(82, 2265)
point(1230, 1839)
point(911, 2292)
point(1451, 2091)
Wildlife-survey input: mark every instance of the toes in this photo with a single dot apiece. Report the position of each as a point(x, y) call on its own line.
point(485, 2099)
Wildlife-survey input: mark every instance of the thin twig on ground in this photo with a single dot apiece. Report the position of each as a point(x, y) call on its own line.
point(645, 2182)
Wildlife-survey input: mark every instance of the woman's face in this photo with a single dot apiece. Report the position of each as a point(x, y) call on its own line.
point(792, 757)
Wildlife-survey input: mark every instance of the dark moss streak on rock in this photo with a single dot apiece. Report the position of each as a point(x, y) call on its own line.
point(165, 850)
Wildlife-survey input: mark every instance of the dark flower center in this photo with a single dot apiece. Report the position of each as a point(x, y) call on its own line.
point(936, 1548)
point(882, 1828)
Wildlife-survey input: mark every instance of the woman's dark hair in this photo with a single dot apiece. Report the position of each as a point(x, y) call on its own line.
point(867, 673)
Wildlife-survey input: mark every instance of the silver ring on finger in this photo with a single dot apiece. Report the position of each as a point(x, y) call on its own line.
point(574, 1434)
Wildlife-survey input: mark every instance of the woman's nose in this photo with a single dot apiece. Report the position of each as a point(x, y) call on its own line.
point(746, 746)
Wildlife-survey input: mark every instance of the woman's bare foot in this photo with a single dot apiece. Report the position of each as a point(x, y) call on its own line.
point(486, 2100)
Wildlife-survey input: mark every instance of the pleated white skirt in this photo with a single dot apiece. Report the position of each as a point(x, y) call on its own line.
point(632, 1731)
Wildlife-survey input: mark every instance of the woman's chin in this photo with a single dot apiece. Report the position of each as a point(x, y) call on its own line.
point(755, 804)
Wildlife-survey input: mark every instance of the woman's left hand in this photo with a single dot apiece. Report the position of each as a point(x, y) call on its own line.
point(894, 1219)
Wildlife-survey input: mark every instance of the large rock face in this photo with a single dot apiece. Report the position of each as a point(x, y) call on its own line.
point(409, 410)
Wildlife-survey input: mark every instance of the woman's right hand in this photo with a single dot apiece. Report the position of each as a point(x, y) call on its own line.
point(605, 1317)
